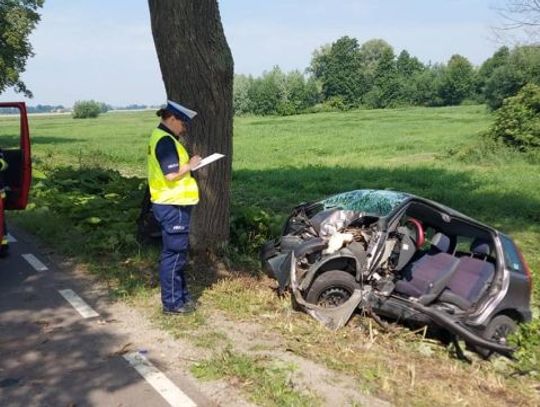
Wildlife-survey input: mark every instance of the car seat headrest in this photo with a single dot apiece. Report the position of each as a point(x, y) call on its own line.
point(441, 242)
point(480, 246)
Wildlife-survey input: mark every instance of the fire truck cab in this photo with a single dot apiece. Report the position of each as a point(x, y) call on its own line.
point(15, 144)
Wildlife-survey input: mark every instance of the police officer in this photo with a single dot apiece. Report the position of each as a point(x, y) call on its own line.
point(4, 247)
point(173, 192)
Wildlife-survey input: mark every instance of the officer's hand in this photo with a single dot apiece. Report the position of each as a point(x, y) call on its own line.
point(194, 161)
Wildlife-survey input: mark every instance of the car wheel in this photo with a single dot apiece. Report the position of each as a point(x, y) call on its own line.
point(498, 330)
point(332, 288)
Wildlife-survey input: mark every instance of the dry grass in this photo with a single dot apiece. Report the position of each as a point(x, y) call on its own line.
point(399, 366)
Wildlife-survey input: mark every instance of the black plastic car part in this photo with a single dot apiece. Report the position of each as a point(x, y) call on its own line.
point(459, 330)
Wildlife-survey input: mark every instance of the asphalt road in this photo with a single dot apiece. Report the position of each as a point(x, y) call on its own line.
point(52, 354)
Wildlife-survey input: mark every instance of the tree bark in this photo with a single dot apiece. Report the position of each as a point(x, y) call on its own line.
point(197, 68)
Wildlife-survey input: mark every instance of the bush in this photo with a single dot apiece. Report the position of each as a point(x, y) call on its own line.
point(336, 103)
point(286, 108)
point(251, 227)
point(527, 340)
point(85, 109)
point(517, 122)
point(510, 72)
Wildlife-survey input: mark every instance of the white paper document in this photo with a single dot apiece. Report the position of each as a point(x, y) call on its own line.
point(208, 160)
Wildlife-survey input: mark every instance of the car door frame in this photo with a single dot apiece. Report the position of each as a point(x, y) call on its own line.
point(18, 198)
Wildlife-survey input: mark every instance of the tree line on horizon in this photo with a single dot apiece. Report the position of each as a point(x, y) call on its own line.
point(345, 75)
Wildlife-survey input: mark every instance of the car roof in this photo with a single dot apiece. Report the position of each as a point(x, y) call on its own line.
point(451, 212)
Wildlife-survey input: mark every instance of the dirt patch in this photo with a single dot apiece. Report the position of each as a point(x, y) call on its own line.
point(332, 388)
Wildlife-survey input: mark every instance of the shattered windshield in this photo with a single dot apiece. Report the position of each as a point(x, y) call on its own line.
point(376, 202)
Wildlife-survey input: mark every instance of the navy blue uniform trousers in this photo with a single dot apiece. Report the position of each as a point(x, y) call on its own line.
point(174, 221)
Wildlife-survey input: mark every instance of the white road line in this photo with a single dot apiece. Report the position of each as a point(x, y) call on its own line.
point(34, 262)
point(78, 303)
point(167, 389)
point(11, 238)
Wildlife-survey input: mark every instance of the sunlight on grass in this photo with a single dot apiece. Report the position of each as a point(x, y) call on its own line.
point(95, 169)
point(266, 382)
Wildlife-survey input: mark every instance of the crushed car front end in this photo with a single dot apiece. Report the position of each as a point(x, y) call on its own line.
point(343, 231)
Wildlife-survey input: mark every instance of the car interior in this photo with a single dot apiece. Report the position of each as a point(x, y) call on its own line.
point(455, 265)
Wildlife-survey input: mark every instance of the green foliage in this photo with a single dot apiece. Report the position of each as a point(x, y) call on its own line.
point(275, 92)
point(104, 108)
point(251, 227)
point(335, 103)
point(100, 204)
point(457, 81)
point(339, 69)
point(299, 92)
point(527, 341)
point(89, 213)
point(347, 75)
point(358, 74)
point(408, 66)
point(425, 86)
point(386, 89)
point(486, 70)
point(517, 122)
point(264, 95)
point(508, 71)
point(241, 101)
point(86, 109)
point(504, 82)
point(17, 20)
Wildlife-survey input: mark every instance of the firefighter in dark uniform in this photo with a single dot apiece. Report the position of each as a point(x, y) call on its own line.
point(4, 246)
point(173, 193)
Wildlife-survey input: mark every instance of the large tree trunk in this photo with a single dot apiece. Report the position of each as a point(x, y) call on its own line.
point(197, 68)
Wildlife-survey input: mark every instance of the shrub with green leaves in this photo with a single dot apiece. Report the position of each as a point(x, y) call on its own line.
point(85, 109)
point(517, 122)
point(251, 227)
point(99, 205)
point(527, 341)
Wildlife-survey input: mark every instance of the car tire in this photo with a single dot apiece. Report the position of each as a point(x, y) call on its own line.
point(498, 330)
point(332, 288)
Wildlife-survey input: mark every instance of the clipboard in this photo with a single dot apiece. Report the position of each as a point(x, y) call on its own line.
point(208, 160)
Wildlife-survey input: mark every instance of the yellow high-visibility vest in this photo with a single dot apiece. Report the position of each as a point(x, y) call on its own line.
point(162, 191)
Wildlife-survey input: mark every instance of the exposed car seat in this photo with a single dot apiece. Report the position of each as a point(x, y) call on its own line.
point(426, 277)
point(471, 277)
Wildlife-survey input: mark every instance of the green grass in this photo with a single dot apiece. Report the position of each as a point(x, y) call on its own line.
point(279, 162)
point(266, 382)
point(112, 140)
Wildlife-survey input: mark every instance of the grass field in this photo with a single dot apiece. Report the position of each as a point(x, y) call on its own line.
point(279, 162)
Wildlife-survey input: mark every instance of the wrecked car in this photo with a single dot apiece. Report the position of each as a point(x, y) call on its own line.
point(406, 258)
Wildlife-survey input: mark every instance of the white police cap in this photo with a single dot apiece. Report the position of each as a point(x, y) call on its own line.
point(178, 110)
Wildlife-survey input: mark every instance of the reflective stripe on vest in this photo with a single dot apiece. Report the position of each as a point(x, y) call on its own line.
point(162, 191)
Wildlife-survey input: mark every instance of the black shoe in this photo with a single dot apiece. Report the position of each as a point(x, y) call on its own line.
point(183, 310)
point(4, 250)
point(191, 303)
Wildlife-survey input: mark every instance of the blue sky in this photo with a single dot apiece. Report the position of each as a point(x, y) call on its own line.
point(103, 50)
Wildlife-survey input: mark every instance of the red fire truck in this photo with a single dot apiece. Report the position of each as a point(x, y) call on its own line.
point(17, 177)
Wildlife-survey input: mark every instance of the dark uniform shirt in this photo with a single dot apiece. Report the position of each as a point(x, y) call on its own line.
point(2, 172)
point(166, 152)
